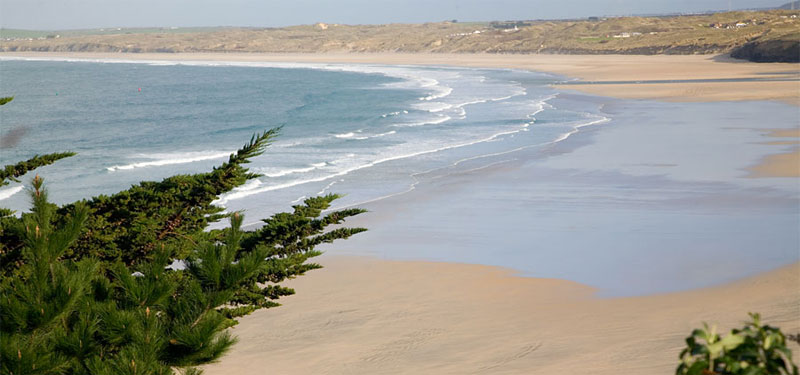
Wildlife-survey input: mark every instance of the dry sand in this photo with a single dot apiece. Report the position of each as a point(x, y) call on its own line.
point(369, 316)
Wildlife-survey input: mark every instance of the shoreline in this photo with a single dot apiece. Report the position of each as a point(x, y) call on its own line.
point(584, 209)
point(604, 71)
point(361, 315)
point(597, 68)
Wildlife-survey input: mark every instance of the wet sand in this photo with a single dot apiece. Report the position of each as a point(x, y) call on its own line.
point(786, 164)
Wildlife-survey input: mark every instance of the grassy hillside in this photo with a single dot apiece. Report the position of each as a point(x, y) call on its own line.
point(702, 34)
point(25, 34)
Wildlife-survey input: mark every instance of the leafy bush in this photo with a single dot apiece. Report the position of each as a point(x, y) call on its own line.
point(753, 350)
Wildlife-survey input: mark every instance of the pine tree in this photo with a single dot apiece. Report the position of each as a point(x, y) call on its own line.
point(10, 245)
point(90, 317)
point(127, 226)
point(87, 287)
point(34, 305)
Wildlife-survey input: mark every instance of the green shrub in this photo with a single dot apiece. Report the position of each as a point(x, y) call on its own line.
point(753, 350)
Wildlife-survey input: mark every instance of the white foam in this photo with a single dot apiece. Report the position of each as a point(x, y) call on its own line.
point(539, 108)
point(576, 128)
point(560, 138)
point(284, 172)
point(519, 92)
point(342, 161)
point(249, 185)
point(442, 92)
point(384, 134)
point(433, 106)
point(391, 114)
point(169, 159)
point(440, 119)
point(243, 194)
point(326, 188)
point(478, 101)
point(7, 193)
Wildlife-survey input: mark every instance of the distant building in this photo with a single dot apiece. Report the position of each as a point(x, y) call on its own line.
point(594, 19)
point(509, 24)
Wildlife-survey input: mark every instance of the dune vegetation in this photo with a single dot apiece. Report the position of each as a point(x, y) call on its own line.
point(696, 34)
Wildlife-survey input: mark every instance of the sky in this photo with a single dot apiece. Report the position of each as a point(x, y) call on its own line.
point(82, 14)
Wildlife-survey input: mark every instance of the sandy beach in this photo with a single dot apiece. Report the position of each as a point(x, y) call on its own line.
point(630, 70)
point(367, 315)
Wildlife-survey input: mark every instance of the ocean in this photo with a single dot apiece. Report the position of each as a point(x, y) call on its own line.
point(359, 130)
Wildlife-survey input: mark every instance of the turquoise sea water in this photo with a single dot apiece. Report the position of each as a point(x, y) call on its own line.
point(367, 129)
point(462, 165)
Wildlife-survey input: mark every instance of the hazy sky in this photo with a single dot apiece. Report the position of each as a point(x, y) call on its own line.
point(73, 14)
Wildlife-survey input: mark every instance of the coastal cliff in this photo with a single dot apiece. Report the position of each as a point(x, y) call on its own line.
point(776, 50)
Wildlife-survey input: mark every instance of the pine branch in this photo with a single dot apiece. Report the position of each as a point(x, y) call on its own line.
point(257, 145)
point(6, 99)
point(124, 226)
point(12, 172)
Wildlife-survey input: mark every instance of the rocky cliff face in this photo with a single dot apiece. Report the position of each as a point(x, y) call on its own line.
point(777, 50)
